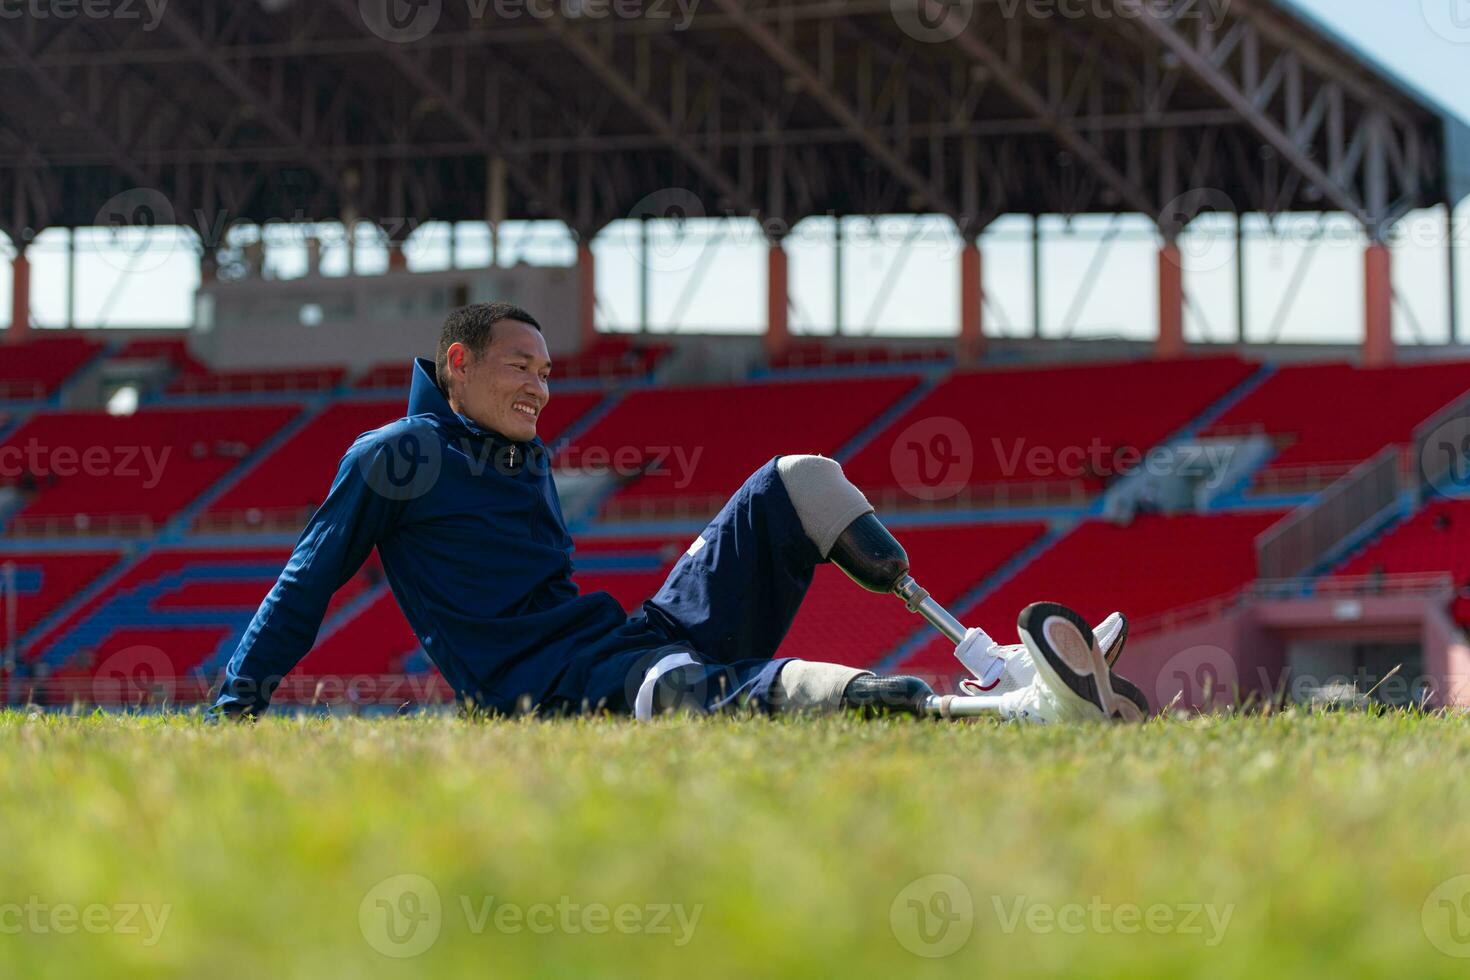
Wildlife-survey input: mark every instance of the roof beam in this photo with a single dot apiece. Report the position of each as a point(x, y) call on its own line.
point(1211, 75)
point(1060, 127)
point(58, 96)
point(422, 80)
point(247, 94)
point(652, 116)
point(794, 64)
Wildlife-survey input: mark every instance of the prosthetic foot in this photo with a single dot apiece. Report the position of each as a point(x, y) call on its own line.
point(1072, 677)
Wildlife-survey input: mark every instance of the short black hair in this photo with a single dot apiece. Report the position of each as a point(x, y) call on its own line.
point(473, 326)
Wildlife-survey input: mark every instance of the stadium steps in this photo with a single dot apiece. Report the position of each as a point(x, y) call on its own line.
point(931, 380)
point(77, 602)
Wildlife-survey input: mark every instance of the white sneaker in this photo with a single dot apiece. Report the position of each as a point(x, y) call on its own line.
point(1073, 682)
point(1003, 669)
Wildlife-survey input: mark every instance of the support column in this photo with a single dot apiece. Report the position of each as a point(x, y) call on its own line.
point(20, 297)
point(586, 295)
point(1451, 279)
point(778, 335)
point(1242, 298)
point(397, 261)
point(972, 308)
point(1377, 305)
point(1038, 286)
point(1171, 302)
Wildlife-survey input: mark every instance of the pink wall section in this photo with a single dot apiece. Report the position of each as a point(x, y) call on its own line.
point(1202, 663)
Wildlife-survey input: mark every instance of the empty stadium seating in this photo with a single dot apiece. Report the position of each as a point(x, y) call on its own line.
point(89, 472)
point(1153, 566)
point(46, 580)
point(1325, 418)
point(165, 623)
point(202, 381)
point(1435, 540)
point(193, 376)
point(38, 367)
point(613, 357)
point(696, 446)
point(822, 354)
point(1036, 434)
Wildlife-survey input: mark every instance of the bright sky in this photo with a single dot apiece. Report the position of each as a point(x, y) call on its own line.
point(901, 277)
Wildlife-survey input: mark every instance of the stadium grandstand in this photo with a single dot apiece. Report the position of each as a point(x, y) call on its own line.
point(1282, 508)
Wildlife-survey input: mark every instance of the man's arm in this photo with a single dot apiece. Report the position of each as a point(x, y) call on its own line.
point(335, 543)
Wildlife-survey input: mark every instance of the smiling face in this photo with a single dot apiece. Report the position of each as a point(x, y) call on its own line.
point(506, 388)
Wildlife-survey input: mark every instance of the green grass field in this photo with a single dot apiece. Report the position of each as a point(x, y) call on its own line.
point(1298, 845)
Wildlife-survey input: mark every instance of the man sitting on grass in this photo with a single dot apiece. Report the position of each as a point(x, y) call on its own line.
point(458, 498)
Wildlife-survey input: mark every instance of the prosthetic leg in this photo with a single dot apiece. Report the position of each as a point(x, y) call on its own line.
point(872, 557)
point(1073, 679)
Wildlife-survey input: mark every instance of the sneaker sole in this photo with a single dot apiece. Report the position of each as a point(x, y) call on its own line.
point(1064, 650)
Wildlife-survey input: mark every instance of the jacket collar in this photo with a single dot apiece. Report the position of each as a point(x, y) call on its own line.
point(426, 398)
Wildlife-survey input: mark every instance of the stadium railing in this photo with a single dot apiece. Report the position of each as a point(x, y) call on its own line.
point(1431, 585)
point(987, 496)
point(80, 525)
point(1292, 546)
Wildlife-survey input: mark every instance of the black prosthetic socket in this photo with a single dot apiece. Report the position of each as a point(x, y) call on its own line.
point(870, 555)
point(887, 695)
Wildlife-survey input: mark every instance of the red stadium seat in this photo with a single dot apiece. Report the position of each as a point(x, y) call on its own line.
point(38, 367)
point(696, 446)
point(1437, 539)
point(1326, 418)
point(45, 581)
point(1037, 434)
point(89, 472)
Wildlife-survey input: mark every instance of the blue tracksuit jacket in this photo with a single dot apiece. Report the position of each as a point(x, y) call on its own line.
point(475, 548)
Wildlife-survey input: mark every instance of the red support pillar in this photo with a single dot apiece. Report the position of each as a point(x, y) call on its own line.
point(397, 261)
point(20, 298)
point(972, 305)
point(587, 296)
point(778, 334)
point(1171, 303)
point(1377, 305)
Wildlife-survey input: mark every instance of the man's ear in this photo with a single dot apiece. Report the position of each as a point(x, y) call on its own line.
point(456, 359)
